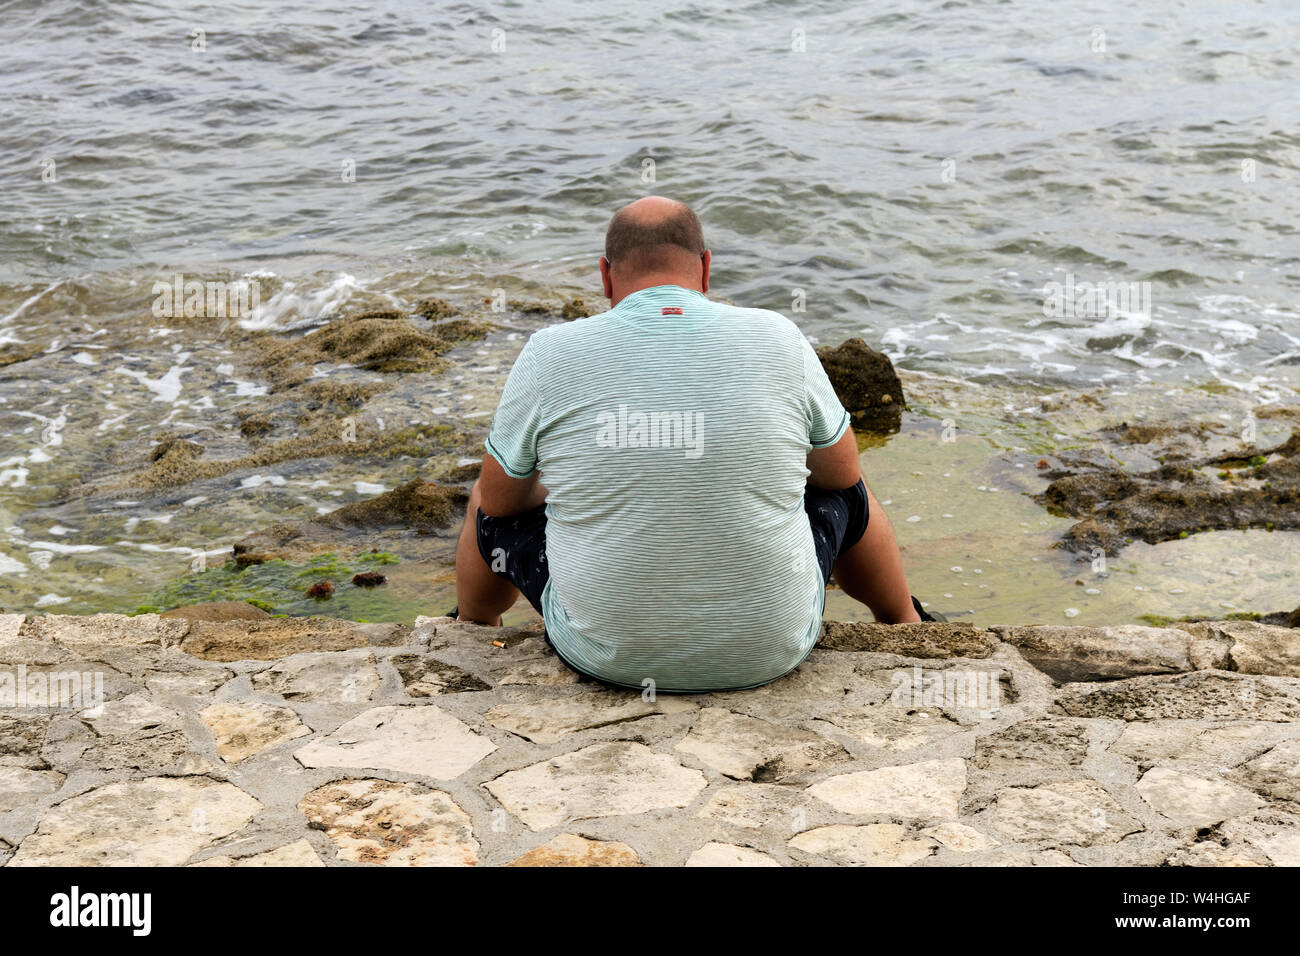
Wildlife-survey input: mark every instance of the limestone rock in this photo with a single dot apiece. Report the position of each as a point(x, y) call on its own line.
point(1192, 801)
point(423, 676)
point(392, 824)
point(217, 611)
point(298, 853)
point(132, 714)
point(1077, 812)
point(547, 720)
point(603, 780)
point(341, 677)
point(747, 748)
point(10, 625)
point(243, 729)
point(875, 844)
point(188, 685)
point(758, 806)
point(569, 849)
point(895, 728)
point(98, 631)
point(21, 740)
point(1070, 654)
point(726, 854)
point(1193, 742)
point(411, 739)
point(927, 790)
point(1206, 695)
point(925, 640)
point(547, 671)
point(281, 637)
point(1275, 773)
point(158, 821)
point(1032, 750)
point(1209, 853)
point(1262, 648)
point(960, 838)
point(20, 786)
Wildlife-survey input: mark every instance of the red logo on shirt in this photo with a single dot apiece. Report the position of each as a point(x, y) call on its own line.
point(671, 310)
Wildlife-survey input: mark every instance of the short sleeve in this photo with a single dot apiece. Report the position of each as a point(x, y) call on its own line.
point(512, 439)
point(827, 419)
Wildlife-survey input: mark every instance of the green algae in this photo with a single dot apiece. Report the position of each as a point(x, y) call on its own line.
point(279, 587)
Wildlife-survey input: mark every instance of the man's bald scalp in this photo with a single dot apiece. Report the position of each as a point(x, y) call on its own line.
point(653, 235)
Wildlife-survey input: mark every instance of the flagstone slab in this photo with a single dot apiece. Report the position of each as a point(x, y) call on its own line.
point(875, 844)
point(1194, 801)
point(299, 853)
point(392, 824)
point(896, 728)
point(547, 720)
point(603, 780)
point(928, 789)
point(341, 677)
point(1203, 695)
point(749, 748)
point(408, 739)
point(1069, 654)
point(727, 854)
point(1075, 812)
point(758, 806)
point(158, 821)
point(20, 786)
point(243, 729)
point(960, 837)
point(1275, 773)
point(569, 849)
point(423, 676)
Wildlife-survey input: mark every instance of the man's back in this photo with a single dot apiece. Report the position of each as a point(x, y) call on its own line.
point(671, 433)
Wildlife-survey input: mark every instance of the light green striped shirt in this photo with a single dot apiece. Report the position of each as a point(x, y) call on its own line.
point(672, 445)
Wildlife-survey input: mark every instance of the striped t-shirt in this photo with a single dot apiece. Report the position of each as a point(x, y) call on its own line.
point(671, 433)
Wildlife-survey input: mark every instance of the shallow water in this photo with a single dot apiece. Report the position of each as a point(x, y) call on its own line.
point(917, 178)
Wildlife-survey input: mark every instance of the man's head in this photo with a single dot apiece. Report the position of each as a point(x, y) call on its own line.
point(654, 241)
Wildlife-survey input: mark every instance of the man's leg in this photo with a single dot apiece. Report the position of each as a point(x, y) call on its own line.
point(481, 596)
point(871, 571)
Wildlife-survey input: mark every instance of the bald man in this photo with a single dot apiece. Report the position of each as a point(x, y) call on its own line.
point(701, 482)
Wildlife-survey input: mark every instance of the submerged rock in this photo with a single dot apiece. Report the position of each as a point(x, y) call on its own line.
point(420, 506)
point(374, 343)
point(866, 384)
point(1256, 488)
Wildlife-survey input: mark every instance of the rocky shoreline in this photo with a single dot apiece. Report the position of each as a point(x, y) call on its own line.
point(313, 741)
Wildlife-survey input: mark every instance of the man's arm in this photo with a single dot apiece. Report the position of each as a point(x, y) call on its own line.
point(872, 570)
point(835, 466)
point(502, 495)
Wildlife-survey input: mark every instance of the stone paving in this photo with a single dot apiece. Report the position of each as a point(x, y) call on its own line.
point(317, 742)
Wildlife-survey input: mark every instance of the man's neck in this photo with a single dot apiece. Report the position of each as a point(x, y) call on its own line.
point(649, 282)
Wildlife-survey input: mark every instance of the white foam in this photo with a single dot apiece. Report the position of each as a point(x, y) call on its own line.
point(291, 309)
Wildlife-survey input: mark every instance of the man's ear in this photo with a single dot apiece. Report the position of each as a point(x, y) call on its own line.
point(705, 260)
point(606, 279)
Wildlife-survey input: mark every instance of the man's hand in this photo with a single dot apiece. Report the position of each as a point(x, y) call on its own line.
point(502, 495)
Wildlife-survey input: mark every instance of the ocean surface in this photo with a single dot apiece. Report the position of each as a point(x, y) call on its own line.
point(921, 175)
point(920, 178)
